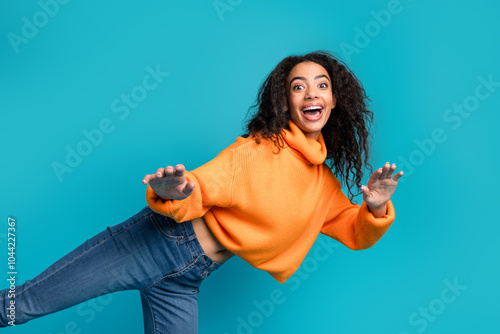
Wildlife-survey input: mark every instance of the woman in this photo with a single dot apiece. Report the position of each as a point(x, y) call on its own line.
point(264, 198)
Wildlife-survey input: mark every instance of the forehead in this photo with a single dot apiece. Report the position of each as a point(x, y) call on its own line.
point(307, 70)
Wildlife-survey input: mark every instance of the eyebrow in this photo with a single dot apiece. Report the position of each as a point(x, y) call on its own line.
point(315, 78)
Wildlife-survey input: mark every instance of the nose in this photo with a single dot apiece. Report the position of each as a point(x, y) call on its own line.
point(311, 93)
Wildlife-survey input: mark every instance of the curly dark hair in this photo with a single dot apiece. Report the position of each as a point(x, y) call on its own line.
point(345, 133)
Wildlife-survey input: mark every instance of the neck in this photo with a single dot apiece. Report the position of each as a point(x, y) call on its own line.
point(312, 135)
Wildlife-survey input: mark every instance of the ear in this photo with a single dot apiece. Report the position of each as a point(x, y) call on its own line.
point(334, 100)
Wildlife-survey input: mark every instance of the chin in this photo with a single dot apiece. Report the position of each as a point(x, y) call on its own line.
point(312, 128)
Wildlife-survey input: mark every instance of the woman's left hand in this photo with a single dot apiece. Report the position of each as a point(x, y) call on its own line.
point(380, 188)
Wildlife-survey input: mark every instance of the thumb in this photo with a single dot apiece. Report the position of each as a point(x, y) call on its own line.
point(188, 188)
point(365, 190)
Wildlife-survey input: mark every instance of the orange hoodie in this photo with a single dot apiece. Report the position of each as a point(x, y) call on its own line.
point(268, 207)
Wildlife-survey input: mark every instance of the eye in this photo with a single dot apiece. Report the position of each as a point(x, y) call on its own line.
point(295, 87)
point(325, 85)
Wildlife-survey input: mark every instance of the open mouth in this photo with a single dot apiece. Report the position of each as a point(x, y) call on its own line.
point(312, 112)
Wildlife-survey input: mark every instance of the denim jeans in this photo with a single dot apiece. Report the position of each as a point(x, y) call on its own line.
point(148, 252)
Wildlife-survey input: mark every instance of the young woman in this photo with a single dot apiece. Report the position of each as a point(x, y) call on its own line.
point(265, 198)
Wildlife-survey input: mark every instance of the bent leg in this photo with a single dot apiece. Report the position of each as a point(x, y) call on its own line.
point(168, 312)
point(170, 305)
point(122, 257)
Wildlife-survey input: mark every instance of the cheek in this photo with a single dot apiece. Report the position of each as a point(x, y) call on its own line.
point(328, 113)
point(293, 101)
point(329, 98)
point(294, 113)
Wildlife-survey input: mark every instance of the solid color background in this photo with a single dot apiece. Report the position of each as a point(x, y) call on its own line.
point(419, 61)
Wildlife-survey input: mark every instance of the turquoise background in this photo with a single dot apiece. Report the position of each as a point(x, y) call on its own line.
point(429, 56)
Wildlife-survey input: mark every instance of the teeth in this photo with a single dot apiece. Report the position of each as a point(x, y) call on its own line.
point(312, 108)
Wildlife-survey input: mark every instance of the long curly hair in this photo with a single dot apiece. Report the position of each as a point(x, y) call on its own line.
point(346, 131)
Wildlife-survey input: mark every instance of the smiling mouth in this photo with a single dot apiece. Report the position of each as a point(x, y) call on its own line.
point(312, 113)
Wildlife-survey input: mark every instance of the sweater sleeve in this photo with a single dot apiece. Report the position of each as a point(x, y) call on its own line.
point(213, 188)
point(353, 225)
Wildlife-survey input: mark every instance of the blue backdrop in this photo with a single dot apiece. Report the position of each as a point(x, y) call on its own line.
point(70, 69)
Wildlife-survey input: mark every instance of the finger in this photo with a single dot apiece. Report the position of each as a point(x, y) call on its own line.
point(148, 178)
point(188, 189)
point(169, 171)
point(391, 170)
point(179, 170)
point(159, 172)
point(366, 193)
point(385, 169)
point(365, 190)
point(397, 176)
point(375, 176)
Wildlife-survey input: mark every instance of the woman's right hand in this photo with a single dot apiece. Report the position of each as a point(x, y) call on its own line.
point(170, 183)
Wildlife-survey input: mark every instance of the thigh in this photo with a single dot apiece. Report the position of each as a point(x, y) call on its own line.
point(122, 257)
point(170, 305)
point(112, 260)
point(166, 311)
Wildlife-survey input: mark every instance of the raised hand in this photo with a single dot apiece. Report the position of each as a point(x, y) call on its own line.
point(170, 183)
point(380, 188)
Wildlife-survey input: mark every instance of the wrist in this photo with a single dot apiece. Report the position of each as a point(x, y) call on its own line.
point(378, 211)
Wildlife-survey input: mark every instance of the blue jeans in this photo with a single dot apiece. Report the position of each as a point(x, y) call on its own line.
point(148, 252)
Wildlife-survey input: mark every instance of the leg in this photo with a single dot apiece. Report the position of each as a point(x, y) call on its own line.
point(166, 311)
point(126, 256)
point(170, 305)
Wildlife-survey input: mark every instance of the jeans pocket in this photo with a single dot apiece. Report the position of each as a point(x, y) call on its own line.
point(167, 226)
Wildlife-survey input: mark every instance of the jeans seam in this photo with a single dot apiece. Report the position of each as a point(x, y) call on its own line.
point(185, 269)
point(152, 312)
point(199, 256)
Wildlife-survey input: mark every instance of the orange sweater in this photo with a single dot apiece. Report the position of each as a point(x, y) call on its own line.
point(269, 208)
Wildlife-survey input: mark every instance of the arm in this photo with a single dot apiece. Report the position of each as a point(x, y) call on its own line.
point(360, 227)
point(184, 195)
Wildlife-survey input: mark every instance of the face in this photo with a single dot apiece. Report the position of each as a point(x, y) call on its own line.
point(309, 97)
